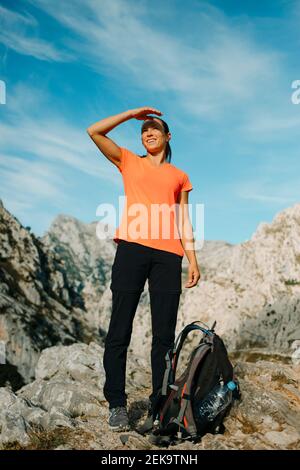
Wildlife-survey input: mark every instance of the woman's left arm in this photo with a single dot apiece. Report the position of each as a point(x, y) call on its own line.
point(187, 239)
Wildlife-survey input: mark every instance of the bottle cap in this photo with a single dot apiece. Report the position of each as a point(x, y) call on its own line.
point(231, 385)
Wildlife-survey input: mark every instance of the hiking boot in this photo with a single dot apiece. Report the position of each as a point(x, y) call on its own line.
point(118, 419)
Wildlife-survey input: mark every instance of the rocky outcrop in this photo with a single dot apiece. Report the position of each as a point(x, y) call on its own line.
point(67, 397)
point(86, 255)
point(55, 306)
point(68, 388)
point(38, 307)
point(251, 289)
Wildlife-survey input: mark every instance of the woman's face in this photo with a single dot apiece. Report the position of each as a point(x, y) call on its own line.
point(154, 138)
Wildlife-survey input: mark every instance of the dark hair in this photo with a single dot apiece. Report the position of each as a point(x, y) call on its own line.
point(168, 153)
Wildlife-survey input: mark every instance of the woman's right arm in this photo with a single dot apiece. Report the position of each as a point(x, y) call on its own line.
point(98, 131)
point(106, 145)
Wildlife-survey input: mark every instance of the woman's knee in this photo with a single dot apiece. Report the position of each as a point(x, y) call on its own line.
point(166, 338)
point(117, 339)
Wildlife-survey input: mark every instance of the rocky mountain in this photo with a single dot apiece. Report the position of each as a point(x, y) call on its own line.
point(86, 258)
point(38, 307)
point(251, 289)
point(55, 306)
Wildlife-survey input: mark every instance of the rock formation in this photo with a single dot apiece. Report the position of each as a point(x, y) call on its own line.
point(38, 307)
point(55, 305)
point(64, 407)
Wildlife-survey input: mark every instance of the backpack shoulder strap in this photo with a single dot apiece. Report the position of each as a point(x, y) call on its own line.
point(172, 355)
point(181, 339)
point(186, 411)
point(167, 379)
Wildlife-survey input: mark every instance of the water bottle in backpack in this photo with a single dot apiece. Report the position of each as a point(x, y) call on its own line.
point(215, 402)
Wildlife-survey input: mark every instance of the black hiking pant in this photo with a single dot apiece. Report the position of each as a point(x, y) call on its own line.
point(133, 264)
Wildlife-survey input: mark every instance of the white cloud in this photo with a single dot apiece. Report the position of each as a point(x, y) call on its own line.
point(25, 180)
point(56, 141)
point(47, 136)
point(215, 66)
point(265, 125)
point(43, 157)
point(264, 190)
point(19, 32)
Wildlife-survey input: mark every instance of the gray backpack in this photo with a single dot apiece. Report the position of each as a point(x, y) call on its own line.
point(175, 407)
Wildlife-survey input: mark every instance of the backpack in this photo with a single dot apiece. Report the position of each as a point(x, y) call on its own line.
point(176, 404)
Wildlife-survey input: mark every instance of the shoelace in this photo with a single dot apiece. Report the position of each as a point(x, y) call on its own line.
point(119, 410)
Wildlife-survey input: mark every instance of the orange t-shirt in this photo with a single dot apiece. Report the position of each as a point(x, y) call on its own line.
point(151, 193)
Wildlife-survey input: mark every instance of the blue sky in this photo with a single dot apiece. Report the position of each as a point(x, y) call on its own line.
point(220, 71)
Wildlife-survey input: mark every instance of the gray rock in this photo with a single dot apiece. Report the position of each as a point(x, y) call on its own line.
point(55, 307)
point(14, 426)
point(68, 394)
point(38, 307)
point(283, 439)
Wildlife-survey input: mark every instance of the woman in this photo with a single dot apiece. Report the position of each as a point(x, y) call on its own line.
point(145, 250)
